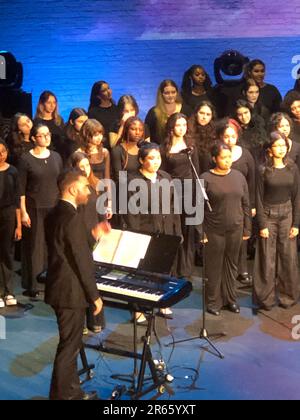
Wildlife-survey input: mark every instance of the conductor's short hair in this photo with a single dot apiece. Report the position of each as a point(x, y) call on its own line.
point(69, 177)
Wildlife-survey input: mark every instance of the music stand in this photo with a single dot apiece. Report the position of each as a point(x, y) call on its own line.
point(203, 334)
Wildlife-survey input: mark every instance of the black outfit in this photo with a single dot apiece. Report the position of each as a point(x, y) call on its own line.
point(179, 167)
point(58, 135)
point(38, 179)
point(224, 227)
point(106, 116)
point(99, 169)
point(253, 137)
point(157, 135)
point(270, 97)
point(70, 288)
point(245, 164)
point(276, 260)
point(193, 101)
point(9, 203)
point(118, 162)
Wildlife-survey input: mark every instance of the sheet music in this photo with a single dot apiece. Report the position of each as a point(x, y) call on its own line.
point(107, 246)
point(122, 248)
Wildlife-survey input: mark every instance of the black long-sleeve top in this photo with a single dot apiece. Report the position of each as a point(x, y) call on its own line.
point(157, 135)
point(278, 186)
point(163, 222)
point(229, 199)
point(246, 165)
point(9, 188)
point(38, 179)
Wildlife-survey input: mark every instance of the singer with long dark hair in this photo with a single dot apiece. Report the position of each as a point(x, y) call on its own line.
point(276, 272)
point(176, 153)
point(202, 130)
point(225, 227)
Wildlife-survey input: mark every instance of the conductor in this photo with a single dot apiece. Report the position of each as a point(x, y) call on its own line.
point(70, 283)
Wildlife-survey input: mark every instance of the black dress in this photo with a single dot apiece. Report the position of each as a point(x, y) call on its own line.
point(224, 227)
point(38, 179)
point(9, 202)
point(276, 273)
point(179, 167)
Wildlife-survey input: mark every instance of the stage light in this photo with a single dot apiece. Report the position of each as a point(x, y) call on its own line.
point(231, 63)
point(11, 71)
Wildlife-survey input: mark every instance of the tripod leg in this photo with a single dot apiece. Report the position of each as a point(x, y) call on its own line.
point(219, 354)
point(147, 339)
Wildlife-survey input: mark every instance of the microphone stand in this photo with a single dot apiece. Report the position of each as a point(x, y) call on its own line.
point(203, 334)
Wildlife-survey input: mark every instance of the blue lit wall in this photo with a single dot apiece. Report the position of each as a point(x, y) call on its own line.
point(66, 46)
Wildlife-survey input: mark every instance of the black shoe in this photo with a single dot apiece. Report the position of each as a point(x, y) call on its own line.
point(234, 307)
point(245, 279)
point(31, 293)
point(90, 396)
point(266, 307)
point(213, 312)
point(285, 306)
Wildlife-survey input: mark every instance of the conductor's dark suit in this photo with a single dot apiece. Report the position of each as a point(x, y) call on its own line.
point(70, 288)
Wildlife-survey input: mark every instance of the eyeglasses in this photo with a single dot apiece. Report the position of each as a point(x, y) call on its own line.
point(45, 136)
point(279, 146)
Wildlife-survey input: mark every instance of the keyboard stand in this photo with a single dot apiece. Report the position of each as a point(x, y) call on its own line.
point(86, 368)
point(145, 357)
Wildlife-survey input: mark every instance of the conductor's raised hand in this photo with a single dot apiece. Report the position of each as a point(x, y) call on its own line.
point(98, 306)
point(101, 229)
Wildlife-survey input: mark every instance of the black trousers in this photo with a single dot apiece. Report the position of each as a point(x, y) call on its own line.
point(276, 272)
point(65, 383)
point(221, 255)
point(243, 262)
point(34, 250)
point(7, 232)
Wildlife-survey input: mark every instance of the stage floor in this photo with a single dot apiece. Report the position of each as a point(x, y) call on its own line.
point(261, 357)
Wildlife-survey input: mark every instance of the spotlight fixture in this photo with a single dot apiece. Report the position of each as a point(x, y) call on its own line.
point(11, 71)
point(231, 63)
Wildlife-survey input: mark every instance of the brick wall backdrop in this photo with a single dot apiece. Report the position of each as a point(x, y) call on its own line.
point(133, 44)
